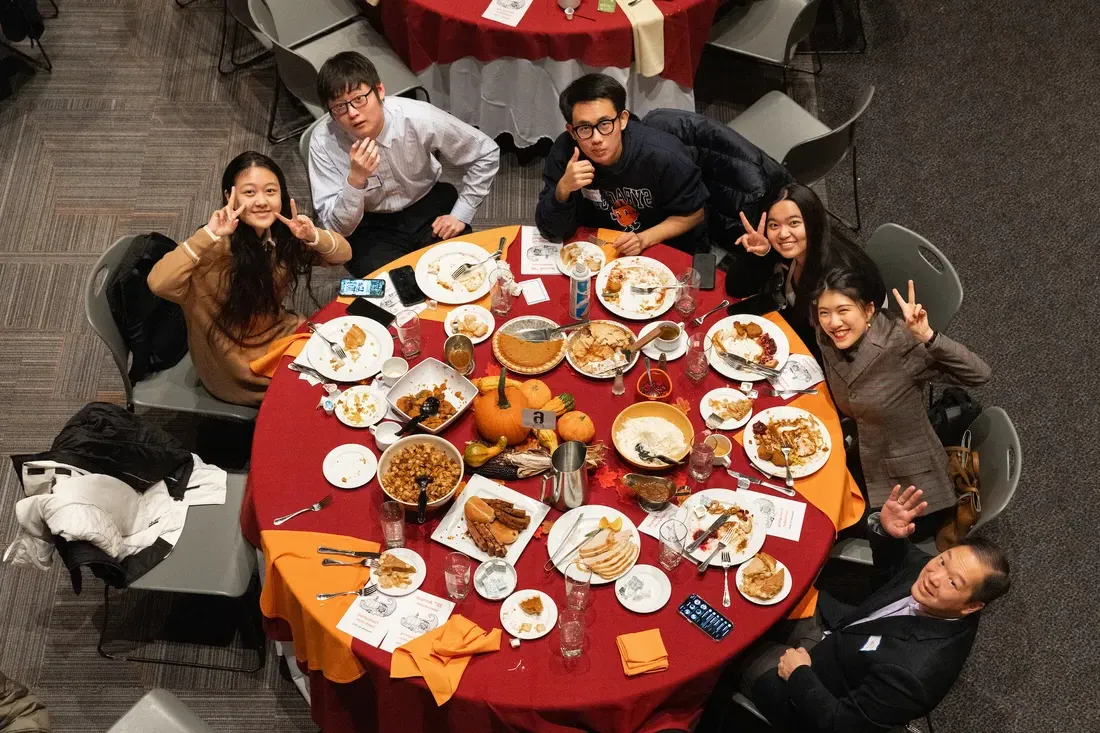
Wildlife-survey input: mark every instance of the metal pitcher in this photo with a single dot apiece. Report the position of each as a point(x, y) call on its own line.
point(569, 479)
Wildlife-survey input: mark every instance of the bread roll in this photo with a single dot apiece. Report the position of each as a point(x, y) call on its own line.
point(478, 511)
point(504, 535)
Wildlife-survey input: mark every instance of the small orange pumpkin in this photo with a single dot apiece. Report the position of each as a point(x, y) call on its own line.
point(500, 413)
point(576, 426)
point(536, 392)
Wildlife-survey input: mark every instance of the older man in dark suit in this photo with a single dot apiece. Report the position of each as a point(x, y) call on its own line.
point(894, 657)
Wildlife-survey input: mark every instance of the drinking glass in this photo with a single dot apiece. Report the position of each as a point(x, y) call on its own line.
point(687, 295)
point(408, 333)
point(571, 627)
point(695, 362)
point(673, 535)
point(701, 461)
point(456, 573)
point(458, 350)
point(500, 299)
point(577, 583)
point(393, 524)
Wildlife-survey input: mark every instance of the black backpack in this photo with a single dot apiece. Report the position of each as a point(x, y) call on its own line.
point(153, 328)
point(20, 20)
point(952, 413)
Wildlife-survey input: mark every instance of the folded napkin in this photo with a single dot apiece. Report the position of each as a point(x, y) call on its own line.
point(642, 652)
point(293, 577)
point(441, 655)
point(648, 23)
point(290, 345)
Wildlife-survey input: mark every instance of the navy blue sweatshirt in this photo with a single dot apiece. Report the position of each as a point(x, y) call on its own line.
point(655, 178)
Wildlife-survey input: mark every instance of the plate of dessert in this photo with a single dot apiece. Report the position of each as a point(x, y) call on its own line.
point(528, 614)
point(471, 321)
point(730, 405)
point(366, 344)
point(489, 520)
point(596, 538)
point(400, 571)
point(586, 252)
point(764, 580)
point(527, 357)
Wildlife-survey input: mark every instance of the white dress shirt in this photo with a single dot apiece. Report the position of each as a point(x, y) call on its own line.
point(907, 606)
point(407, 170)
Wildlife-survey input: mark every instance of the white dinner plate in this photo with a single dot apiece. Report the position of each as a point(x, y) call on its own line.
point(724, 393)
point(452, 529)
point(360, 406)
point(377, 349)
point(786, 412)
point(637, 307)
point(589, 249)
point(412, 557)
point(448, 256)
point(512, 617)
point(494, 579)
point(783, 593)
point(480, 313)
point(653, 352)
point(644, 589)
point(349, 466)
point(604, 370)
point(557, 541)
point(690, 517)
point(782, 346)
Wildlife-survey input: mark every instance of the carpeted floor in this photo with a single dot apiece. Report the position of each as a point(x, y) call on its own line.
point(978, 138)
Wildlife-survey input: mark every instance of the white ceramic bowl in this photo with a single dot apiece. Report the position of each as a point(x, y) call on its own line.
point(447, 448)
point(426, 375)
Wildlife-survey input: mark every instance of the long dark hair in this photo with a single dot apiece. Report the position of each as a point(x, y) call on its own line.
point(826, 252)
point(252, 305)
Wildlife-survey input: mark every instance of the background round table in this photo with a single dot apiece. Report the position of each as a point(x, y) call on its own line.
point(532, 687)
point(507, 80)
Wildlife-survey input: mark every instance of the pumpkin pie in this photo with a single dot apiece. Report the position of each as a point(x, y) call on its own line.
point(532, 606)
point(527, 357)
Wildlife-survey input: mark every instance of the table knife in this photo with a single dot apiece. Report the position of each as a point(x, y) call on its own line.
point(553, 562)
point(348, 553)
point(703, 537)
point(758, 482)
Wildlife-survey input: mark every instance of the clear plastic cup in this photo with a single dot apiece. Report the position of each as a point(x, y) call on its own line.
point(577, 584)
point(687, 295)
point(571, 628)
point(408, 333)
point(393, 524)
point(673, 536)
point(456, 573)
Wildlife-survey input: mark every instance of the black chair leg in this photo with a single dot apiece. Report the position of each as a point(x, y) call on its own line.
point(244, 602)
point(293, 132)
point(234, 64)
point(184, 3)
point(855, 198)
point(43, 63)
point(861, 38)
point(56, 11)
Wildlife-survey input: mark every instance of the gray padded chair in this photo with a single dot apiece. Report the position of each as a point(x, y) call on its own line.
point(298, 22)
point(1000, 461)
point(159, 711)
point(903, 255)
point(211, 558)
point(176, 388)
point(297, 67)
point(236, 12)
point(766, 30)
point(805, 146)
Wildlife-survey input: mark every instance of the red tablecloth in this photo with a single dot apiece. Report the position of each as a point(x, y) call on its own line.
point(425, 32)
point(530, 688)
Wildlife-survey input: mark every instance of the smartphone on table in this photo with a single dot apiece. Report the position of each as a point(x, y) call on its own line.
point(367, 309)
point(365, 288)
point(404, 284)
point(705, 264)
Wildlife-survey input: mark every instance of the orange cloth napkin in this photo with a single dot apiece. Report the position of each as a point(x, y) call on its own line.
point(642, 652)
point(293, 578)
point(441, 655)
point(290, 345)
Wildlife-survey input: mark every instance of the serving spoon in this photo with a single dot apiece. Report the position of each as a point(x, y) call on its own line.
point(428, 408)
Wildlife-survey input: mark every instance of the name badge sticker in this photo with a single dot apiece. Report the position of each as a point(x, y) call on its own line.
point(592, 194)
point(871, 644)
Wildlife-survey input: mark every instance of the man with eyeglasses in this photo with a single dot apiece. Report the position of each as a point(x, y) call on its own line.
point(373, 173)
point(609, 169)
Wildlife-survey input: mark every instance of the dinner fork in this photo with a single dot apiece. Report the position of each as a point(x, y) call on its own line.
point(466, 266)
point(726, 579)
point(723, 543)
point(367, 562)
point(646, 289)
point(311, 508)
point(366, 590)
point(787, 465)
point(336, 348)
point(698, 320)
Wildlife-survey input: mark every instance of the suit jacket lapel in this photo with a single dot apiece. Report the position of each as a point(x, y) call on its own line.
point(904, 627)
point(897, 588)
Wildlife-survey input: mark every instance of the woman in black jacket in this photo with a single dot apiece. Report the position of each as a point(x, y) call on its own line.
point(794, 236)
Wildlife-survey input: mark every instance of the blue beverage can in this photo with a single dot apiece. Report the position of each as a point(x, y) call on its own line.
point(580, 291)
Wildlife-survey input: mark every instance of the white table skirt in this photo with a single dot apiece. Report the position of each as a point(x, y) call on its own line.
point(520, 97)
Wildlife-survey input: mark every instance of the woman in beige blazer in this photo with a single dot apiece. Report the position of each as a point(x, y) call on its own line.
point(232, 281)
point(877, 365)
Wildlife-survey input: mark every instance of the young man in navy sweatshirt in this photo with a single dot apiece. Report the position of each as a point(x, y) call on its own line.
point(609, 170)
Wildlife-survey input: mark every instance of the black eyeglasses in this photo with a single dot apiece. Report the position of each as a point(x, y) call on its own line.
point(605, 126)
point(341, 108)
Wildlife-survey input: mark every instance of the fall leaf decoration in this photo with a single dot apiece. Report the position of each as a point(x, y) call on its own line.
point(683, 405)
point(606, 476)
point(543, 529)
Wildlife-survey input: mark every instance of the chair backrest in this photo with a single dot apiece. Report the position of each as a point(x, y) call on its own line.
point(803, 25)
point(295, 71)
point(299, 21)
point(303, 142)
point(159, 711)
point(811, 160)
point(903, 255)
point(999, 460)
point(98, 310)
point(239, 10)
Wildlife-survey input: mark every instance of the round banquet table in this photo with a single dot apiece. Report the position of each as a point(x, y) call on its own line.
point(504, 79)
point(533, 688)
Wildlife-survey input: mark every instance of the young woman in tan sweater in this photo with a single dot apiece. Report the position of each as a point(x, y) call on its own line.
point(232, 281)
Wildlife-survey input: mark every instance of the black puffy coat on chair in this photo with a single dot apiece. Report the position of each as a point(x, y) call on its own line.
point(739, 177)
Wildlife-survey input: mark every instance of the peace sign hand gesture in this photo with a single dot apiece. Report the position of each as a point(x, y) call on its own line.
point(223, 221)
point(299, 224)
point(916, 317)
point(753, 240)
